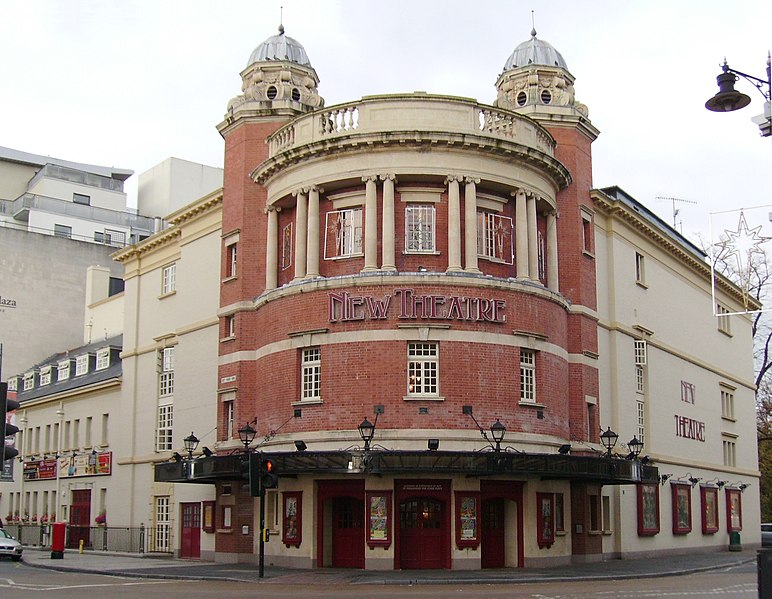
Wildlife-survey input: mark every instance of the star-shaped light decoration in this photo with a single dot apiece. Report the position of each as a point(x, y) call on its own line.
point(742, 244)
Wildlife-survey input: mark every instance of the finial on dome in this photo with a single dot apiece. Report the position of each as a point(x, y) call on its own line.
point(281, 20)
point(281, 29)
point(533, 25)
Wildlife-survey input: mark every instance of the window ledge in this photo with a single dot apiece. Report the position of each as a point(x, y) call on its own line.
point(607, 533)
point(423, 398)
point(642, 284)
point(224, 531)
point(560, 533)
point(165, 295)
point(420, 253)
point(230, 278)
point(594, 533)
point(729, 418)
point(308, 402)
point(727, 333)
point(531, 404)
point(346, 257)
point(229, 338)
point(589, 254)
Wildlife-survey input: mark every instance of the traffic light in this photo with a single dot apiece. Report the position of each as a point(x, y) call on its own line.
point(268, 479)
point(6, 428)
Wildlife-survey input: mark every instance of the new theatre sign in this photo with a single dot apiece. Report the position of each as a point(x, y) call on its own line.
point(406, 304)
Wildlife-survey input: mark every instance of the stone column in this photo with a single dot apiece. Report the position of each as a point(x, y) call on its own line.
point(388, 261)
point(533, 239)
point(521, 234)
point(552, 251)
point(454, 224)
point(272, 248)
point(312, 249)
point(470, 224)
point(371, 224)
point(301, 233)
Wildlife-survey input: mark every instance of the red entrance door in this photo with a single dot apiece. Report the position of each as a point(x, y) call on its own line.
point(492, 547)
point(421, 534)
point(348, 533)
point(190, 543)
point(80, 519)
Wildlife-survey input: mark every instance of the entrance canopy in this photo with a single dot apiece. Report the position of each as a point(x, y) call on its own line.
point(586, 468)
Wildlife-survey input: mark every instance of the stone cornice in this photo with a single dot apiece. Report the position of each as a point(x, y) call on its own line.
point(615, 208)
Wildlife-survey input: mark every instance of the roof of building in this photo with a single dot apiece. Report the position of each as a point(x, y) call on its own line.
point(280, 48)
point(114, 370)
point(536, 52)
point(11, 155)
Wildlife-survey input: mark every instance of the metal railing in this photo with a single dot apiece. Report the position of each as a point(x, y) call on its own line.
point(119, 539)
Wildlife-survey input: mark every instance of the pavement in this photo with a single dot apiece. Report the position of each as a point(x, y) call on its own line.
point(167, 567)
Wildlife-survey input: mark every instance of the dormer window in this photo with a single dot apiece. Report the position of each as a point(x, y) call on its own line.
point(103, 358)
point(13, 383)
point(81, 365)
point(29, 381)
point(45, 375)
point(63, 370)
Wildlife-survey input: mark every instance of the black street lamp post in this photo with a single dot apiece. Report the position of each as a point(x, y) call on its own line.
point(497, 432)
point(191, 443)
point(609, 439)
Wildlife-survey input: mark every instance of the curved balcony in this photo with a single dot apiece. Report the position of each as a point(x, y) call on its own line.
point(412, 119)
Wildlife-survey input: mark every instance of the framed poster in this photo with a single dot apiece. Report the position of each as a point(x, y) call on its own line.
point(734, 510)
point(709, 505)
point(560, 525)
point(682, 508)
point(207, 521)
point(292, 528)
point(648, 509)
point(545, 519)
point(378, 518)
point(467, 519)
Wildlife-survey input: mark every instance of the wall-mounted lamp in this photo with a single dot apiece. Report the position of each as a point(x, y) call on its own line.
point(742, 487)
point(564, 449)
point(645, 460)
point(635, 446)
point(692, 479)
point(300, 445)
point(177, 457)
point(608, 438)
point(367, 429)
point(497, 432)
point(433, 444)
point(207, 452)
point(663, 478)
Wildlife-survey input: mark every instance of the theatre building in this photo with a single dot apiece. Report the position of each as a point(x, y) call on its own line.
point(435, 326)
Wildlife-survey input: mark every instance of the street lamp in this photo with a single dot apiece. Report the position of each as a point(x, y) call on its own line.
point(191, 443)
point(367, 432)
point(609, 439)
point(497, 432)
point(636, 446)
point(728, 99)
point(247, 435)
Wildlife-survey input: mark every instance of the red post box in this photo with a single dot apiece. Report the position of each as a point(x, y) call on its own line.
point(57, 539)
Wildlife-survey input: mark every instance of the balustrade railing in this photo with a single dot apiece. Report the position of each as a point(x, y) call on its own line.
point(120, 539)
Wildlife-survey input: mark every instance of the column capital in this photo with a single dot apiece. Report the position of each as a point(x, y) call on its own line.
point(368, 178)
point(388, 176)
point(315, 188)
point(272, 208)
point(456, 178)
point(475, 180)
point(300, 191)
point(518, 191)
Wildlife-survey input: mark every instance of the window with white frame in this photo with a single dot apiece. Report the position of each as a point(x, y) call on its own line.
point(162, 536)
point(494, 237)
point(312, 374)
point(588, 238)
point(168, 279)
point(343, 233)
point(13, 383)
point(640, 269)
point(688, 392)
point(423, 372)
point(420, 223)
point(29, 381)
point(81, 365)
point(640, 379)
point(230, 325)
point(63, 370)
point(45, 375)
point(166, 374)
point(102, 358)
point(527, 376)
point(727, 403)
point(286, 246)
point(164, 441)
point(63, 231)
point(730, 451)
point(230, 415)
point(641, 421)
point(640, 352)
point(724, 323)
point(231, 260)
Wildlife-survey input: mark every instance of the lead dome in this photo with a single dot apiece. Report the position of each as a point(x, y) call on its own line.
point(535, 52)
point(280, 47)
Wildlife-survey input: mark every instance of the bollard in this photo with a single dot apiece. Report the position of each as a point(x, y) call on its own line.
point(80, 547)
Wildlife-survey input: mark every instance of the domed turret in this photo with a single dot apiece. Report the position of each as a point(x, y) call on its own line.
point(279, 75)
point(536, 79)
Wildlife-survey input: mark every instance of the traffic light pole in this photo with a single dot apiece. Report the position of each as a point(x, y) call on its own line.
point(261, 550)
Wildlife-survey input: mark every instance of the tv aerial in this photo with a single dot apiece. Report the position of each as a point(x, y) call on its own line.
point(676, 211)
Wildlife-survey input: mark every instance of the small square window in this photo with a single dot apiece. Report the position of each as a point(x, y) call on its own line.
point(63, 370)
point(80, 198)
point(102, 358)
point(45, 375)
point(29, 381)
point(63, 231)
point(81, 365)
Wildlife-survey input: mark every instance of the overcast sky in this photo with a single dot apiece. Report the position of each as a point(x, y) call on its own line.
point(131, 82)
